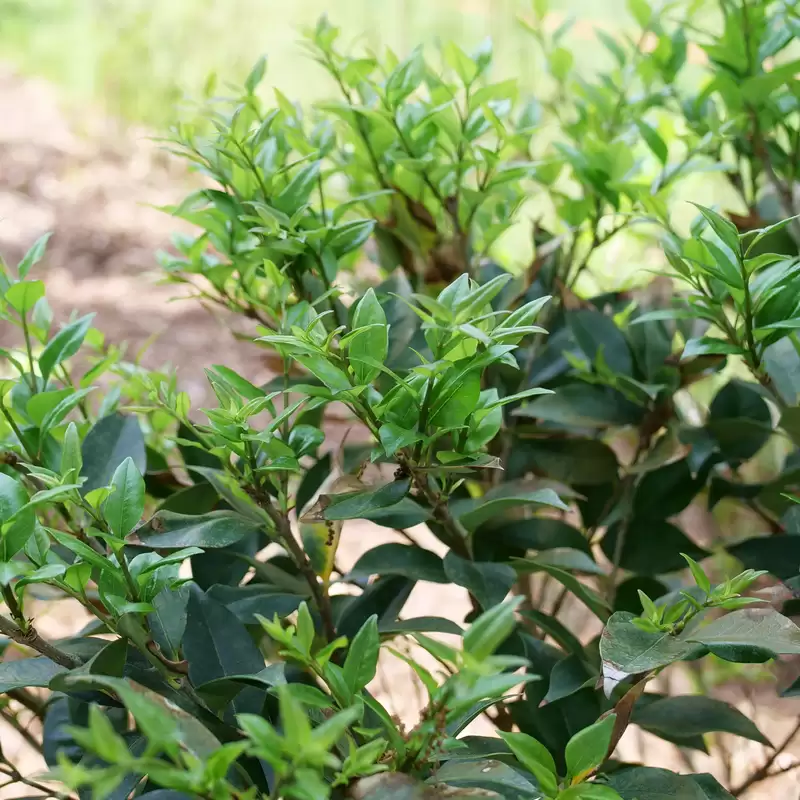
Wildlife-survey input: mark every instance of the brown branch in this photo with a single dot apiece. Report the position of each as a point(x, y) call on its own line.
point(31, 638)
point(762, 773)
point(284, 530)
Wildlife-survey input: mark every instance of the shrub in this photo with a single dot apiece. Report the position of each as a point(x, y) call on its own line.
point(564, 458)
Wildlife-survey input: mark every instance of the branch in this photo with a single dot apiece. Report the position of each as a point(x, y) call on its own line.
point(284, 530)
point(31, 638)
point(762, 773)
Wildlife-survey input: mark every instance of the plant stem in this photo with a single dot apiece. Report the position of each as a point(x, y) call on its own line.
point(30, 638)
point(284, 530)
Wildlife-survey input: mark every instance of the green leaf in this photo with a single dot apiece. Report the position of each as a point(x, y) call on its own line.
point(724, 228)
point(649, 783)
point(14, 533)
point(362, 656)
point(493, 776)
point(71, 458)
point(64, 345)
point(420, 625)
point(568, 676)
point(472, 513)
point(666, 491)
point(394, 438)
point(256, 75)
point(650, 546)
point(394, 558)
point(107, 445)
point(23, 296)
point(555, 629)
point(740, 420)
point(536, 758)
point(628, 650)
point(299, 189)
point(779, 555)
point(25, 672)
point(589, 791)
point(217, 645)
point(372, 343)
point(167, 530)
point(356, 505)
point(572, 461)
point(455, 400)
point(33, 256)
point(691, 715)
point(582, 592)
point(488, 583)
point(582, 405)
point(125, 505)
point(167, 621)
point(708, 346)
point(598, 336)
point(491, 629)
point(587, 749)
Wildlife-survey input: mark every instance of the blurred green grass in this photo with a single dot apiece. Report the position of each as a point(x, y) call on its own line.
point(135, 59)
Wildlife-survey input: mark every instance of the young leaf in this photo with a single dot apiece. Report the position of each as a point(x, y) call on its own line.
point(588, 749)
point(125, 505)
point(362, 656)
point(536, 758)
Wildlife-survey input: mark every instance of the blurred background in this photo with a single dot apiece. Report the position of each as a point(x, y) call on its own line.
point(137, 58)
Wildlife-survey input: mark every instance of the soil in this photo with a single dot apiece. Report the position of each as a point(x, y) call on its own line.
point(97, 187)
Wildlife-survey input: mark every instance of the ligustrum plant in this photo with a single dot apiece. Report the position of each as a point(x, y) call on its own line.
point(425, 250)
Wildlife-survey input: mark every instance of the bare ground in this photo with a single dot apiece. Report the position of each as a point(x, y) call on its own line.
point(94, 186)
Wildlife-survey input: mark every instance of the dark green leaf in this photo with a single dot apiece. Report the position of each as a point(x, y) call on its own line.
point(420, 625)
point(356, 505)
point(385, 597)
point(665, 491)
point(586, 461)
point(598, 336)
point(169, 531)
point(555, 629)
point(20, 673)
point(493, 776)
point(582, 592)
point(168, 619)
point(488, 583)
point(740, 420)
point(255, 599)
point(216, 644)
point(107, 445)
point(535, 533)
point(690, 715)
point(779, 555)
point(650, 783)
point(401, 559)
point(568, 676)
point(473, 513)
point(650, 546)
point(581, 405)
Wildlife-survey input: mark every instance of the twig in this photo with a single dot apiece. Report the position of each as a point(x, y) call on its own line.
point(31, 638)
point(13, 722)
point(762, 773)
point(284, 530)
